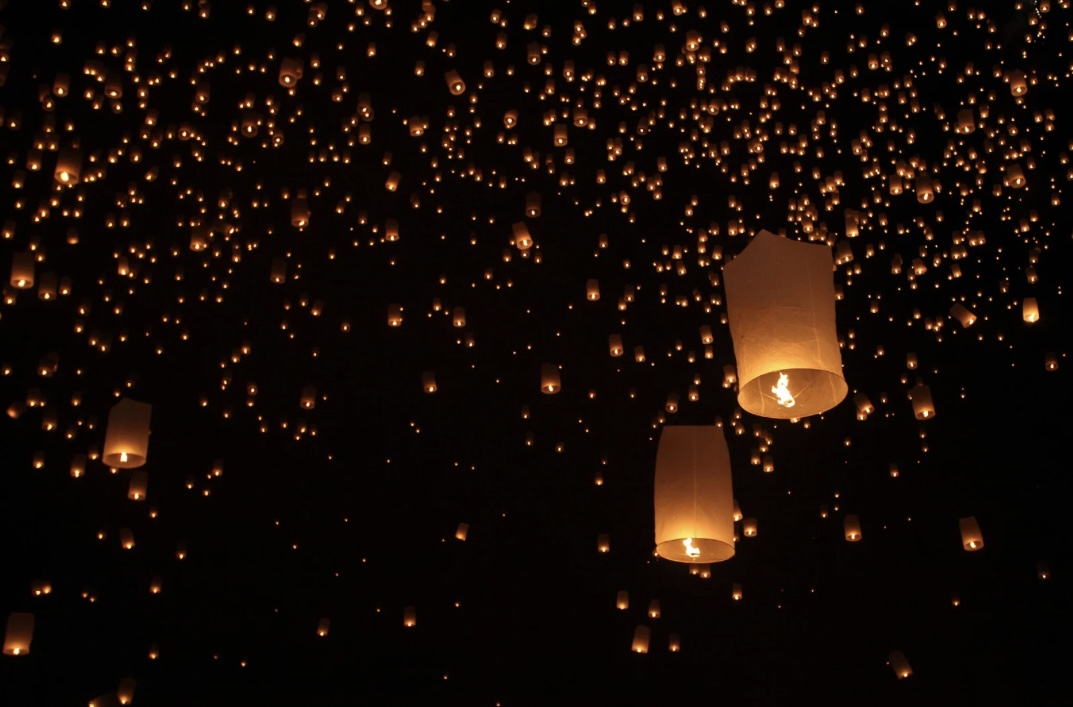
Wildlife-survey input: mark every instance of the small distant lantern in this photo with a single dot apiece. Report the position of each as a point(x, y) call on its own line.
point(1050, 361)
point(139, 484)
point(971, 537)
point(641, 637)
point(19, 634)
point(592, 290)
point(614, 342)
point(781, 310)
point(323, 627)
point(603, 543)
point(706, 334)
point(278, 274)
point(672, 403)
point(1043, 570)
point(899, 664)
point(22, 270)
point(126, 538)
point(68, 167)
point(923, 407)
point(290, 71)
point(462, 531)
point(735, 591)
point(924, 189)
point(409, 616)
point(550, 382)
point(1018, 84)
point(963, 315)
point(522, 239)
point(428, 382)
point(693, 495)
point(622, 600)
point(1030, 310)
point(126, 441)
point(851, 524)
point(674, 643)
point(864, 405)
point(748, 527)
point(653, 609)
point(532, 204)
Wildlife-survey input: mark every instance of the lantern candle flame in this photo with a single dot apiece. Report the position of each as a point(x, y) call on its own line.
point(690, 550)
point(782, 392)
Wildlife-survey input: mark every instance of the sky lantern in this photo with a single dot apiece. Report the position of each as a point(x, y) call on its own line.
point(522, 239)
point(139, 485)
point(654, 609)
point(971, 537)
point(290, 71)
point(781, 309)
point(614, 343)
point(899, 664)
point(409, 616)
point(622, 600)
point(592, 290)
point(394, 315)
point(19, 634)
point(674, 643)
point(920, 397)
point(22, 270)
point(641, 637)
point(693, 495)
point(428, 382)
point(455, 84)
point(462, 531)
point(603, 543)
point(550, 382)
point(68, 167)
point(851, 524)
point(963, 315)
point(1030, 310)
point(125, 693)
point(308, 399)
point(323, 627)
point(735, 591)
point(126, 441)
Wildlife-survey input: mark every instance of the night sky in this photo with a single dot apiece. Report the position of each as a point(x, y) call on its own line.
point(234, 236)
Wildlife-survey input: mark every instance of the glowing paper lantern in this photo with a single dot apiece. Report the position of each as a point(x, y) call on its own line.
point(550, 382)
point(603, 543)
point(22, 270)
point(622, 600)
point(1030, 310)
point(899, 664)
point(851, 524)
point(139, 484)
point(125, 693)
point(641, 637)
point(592, 290)
point(781, 310)
point(68, 167)
point(126, 442)
point(19, 634)
point(409, 616)
point(455, 84)
point(735, 591)
point(462, 531)
point(971, 537)
point(614, 342)
point(920, 396)
point(694, 499)
point(323, 627)
point(428, 382)
point(963, 315)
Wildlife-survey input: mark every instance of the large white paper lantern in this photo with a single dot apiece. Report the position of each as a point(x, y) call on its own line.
point(781, 311)
point(694, 499)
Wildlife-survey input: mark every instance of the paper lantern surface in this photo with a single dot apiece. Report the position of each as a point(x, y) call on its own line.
point(781, 311)
point(694, 499)
point(126, 443)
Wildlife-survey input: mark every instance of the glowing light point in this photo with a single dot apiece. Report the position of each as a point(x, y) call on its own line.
point(782, 392)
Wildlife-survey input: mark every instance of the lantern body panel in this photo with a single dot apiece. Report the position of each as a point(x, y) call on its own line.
point(641, 637)
point(126, 443)
point(972, 539)
point(781, 310)
point(694, 497)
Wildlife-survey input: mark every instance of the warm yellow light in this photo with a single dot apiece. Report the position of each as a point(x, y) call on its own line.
point(782, 392)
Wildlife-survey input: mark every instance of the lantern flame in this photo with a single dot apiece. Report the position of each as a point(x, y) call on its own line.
point(123, 457)
point(690, 549)
point(782, 393)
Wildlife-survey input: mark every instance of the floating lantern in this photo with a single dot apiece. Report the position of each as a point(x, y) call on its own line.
point(394, 315)
point(22, 270)
point(971, 537)
point(308, 399)
point(139, 484)
point(592, 290)
point(68, 167)
point(126, 538)
point(603, 543)
point(851, 524)
point(522, 239)
point(641, 636)
point(614, 342)
point(672, 403)
point(920, 396)
point(864, 405)
point(781, 309)
point(706, 334)
point(409, 616)
point(323, 627)
point(455, 84)
point(19, 634)
point(462, 531)
point(748, 527)
point(653, 609)
point(1018, 84)
point(899, 664)
point(735, 591)
point(694, 500)
point(622, 600)
point(1050, 361)
point(549, 379)
point(963, 315)
point(126, 442)
point(1030, 310)
point(290, 71)
point(428, 382)
point(674, 643)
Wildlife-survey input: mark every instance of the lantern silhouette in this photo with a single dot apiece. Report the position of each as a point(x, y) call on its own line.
point(550, 382)
point(641, 637)
point(68, 167)
point(19, 634)
point(971, 537)
point(126, 442)
point(899, 664)
point(394, 315)
point(781, 310)
point(462, 531)
point(851, 524)
point(963, 315)
point(592, 290)
point(323, 627)
point(409, 616)
point(428, 382)
point(603, 543)
point(614, 343)
point(308, 400)
point(622, 600)
point(455, 84)
point(694, 500)
point(735, 591)
point(1030, 310)
point(653, 609)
